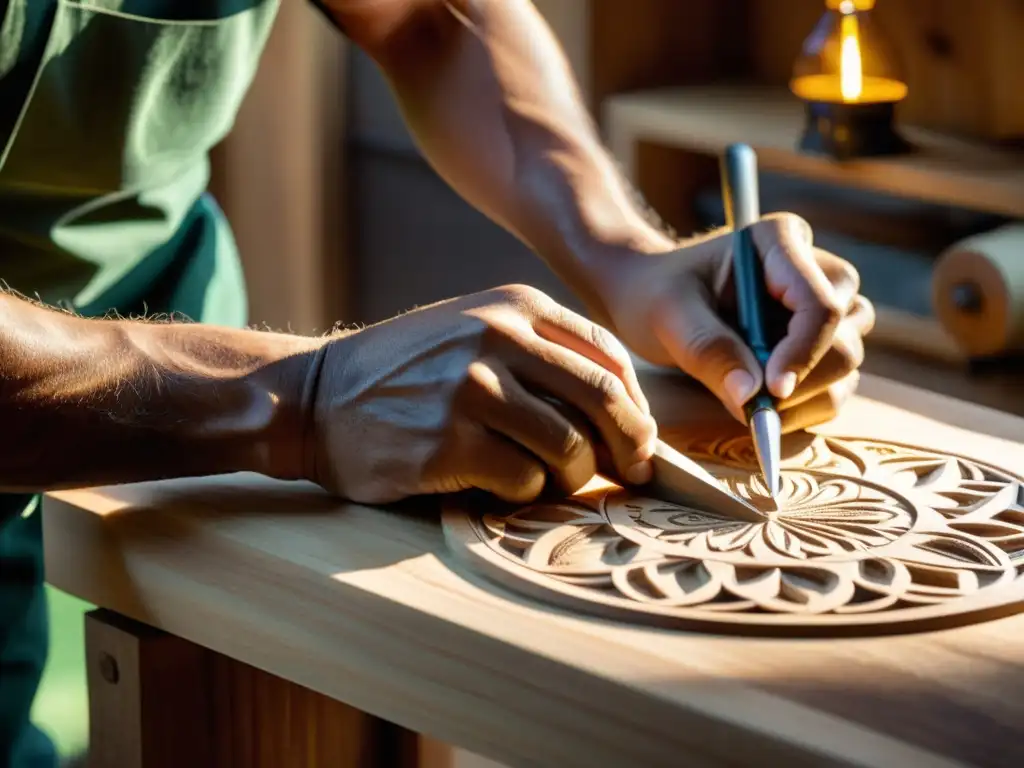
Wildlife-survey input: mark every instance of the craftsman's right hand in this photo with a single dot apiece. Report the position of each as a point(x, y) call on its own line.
point(451, 397)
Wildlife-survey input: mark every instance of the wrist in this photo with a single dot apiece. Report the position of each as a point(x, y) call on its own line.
point(285, 388)
point(313, 376)
point(606, 261)
point(596, 229)
point(296, 450)
point(237, 397)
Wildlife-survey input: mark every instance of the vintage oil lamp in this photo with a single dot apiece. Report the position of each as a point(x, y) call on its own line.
point(848, 76)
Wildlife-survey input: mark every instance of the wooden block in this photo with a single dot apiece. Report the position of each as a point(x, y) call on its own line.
point(157, 701)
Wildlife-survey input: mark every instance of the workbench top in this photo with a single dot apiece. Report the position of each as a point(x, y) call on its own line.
point(367, 606)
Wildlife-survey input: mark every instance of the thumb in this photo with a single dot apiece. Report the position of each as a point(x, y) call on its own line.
point(704, 347)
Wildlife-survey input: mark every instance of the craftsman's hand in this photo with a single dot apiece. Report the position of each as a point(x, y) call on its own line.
point(450, 397)
point(675, 309)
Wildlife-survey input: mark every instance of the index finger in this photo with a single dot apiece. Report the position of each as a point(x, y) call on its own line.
point(562, 326)
point(795, 279)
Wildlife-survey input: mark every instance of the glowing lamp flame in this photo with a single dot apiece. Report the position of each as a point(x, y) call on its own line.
point(851, 73)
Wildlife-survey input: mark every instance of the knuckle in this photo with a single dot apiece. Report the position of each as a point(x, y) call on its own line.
point(866, 310)
point(831, 314)
point(848, 343)
point(527, 475)
point(843, 390)
point(482, 329)
point(847, 276)
point(521, 295)
point(641, 433)
point(479, 381)
point(708, 347)
point(797, 225)
point(790, 219)
point(647, 431)
point(823, 313)
point(607, 342)
point(495, 335)
point(609, 388)
point(573, 446)
point(849, 361)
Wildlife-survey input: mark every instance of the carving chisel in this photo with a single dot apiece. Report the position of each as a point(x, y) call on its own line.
point(742, 209)
point(678, 479)
point(681, 480)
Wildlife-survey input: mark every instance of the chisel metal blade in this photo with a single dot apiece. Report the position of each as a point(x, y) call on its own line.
point(680, 480)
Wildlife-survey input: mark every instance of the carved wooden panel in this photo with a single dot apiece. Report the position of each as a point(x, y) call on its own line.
point(869, 536)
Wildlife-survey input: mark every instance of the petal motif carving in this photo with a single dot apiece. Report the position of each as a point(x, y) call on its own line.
point(864, 531)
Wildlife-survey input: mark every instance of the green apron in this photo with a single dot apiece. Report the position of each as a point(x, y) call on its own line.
point(108, 109)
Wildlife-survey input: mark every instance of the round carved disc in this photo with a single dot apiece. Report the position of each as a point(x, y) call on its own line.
point(868, 536)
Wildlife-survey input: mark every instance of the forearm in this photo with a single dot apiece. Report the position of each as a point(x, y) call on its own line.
point(493, 104)
point(87, 402)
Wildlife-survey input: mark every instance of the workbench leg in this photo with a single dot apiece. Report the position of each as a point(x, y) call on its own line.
point(157, 701)
point(147, 705)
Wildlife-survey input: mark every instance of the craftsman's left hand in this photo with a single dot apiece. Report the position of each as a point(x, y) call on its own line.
point(676, 309)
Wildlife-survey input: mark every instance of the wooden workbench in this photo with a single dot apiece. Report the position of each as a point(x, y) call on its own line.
point(284, 628)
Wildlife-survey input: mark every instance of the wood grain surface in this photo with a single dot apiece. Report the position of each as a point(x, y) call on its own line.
point(367, 606)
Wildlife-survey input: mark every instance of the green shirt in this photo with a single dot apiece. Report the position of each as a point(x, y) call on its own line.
point(108, 110)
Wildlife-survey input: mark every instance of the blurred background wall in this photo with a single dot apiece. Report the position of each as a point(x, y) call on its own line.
point(338, 216)
point(280, 175)
point(340, 219)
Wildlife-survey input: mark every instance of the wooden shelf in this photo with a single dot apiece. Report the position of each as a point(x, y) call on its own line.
point(702, 119)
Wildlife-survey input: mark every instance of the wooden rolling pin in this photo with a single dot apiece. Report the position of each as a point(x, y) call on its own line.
point(978, 292)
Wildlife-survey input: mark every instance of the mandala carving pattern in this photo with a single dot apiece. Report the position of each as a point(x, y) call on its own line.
point(865, 531)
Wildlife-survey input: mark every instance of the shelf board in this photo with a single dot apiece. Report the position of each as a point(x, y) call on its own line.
point(705, 120)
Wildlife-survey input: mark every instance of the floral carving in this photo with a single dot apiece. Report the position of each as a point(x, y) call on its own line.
point(865, 531)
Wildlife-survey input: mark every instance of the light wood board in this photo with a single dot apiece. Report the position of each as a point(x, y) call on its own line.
point(366, 606)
